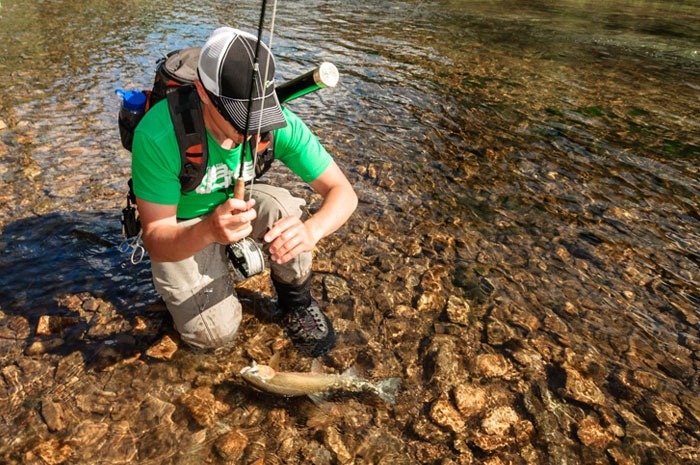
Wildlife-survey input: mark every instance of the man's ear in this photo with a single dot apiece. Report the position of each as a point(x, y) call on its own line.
point(202, 93)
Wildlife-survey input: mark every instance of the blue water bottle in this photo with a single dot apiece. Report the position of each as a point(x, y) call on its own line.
point(132, 110)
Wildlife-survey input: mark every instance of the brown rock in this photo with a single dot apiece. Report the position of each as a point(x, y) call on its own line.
point(53, 414)
point(497, 332)
point(470, 399)
point(54, 324)
point(42, 347)
point(335, 443)
point(53, 451)
point(499, 420)
point(444, 414)
point(524, 429)
point(121, 447)
point(582, 389)
point(665, 412)
point(146, 326)
point(492, 365)
point(490, 443)
point(443, 361)
point(231, 445)
point(592, 434)
point(430, 302)
point(335, 287)
point(163, 349)
point(87, 434)
point(620, 457)
point(427, 431)
point(157, 413)
point(458, 310)
point(203, 407)
point(427, 452)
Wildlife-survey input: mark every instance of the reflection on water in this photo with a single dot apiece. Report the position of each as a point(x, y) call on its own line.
point(525, 255)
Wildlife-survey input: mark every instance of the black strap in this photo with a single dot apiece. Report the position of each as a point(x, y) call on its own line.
point(188, 121)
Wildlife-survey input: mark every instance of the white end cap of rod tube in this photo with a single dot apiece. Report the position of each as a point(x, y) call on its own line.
point(326, 75)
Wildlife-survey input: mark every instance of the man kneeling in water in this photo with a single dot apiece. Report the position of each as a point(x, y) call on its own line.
point(186, 233)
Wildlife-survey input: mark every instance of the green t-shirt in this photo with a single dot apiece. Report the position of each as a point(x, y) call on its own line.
point(155, 163)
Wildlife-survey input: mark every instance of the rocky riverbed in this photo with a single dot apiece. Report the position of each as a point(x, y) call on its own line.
point(490, 374)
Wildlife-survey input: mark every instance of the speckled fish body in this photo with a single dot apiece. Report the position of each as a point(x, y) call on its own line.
point(287, 383)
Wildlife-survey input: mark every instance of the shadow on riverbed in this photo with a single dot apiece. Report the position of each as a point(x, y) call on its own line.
point(66, 285)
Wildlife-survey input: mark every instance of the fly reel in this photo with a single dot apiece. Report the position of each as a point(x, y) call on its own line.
point(246, 257)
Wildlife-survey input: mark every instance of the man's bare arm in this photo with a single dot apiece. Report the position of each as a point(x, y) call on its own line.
point(289, 236)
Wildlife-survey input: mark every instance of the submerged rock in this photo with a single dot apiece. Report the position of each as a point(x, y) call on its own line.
point(230, 446)
point(582, 389)
point(163, 349)
point(202, 406)
point(458, 310)
point(592, 434)
point(499, 420)
point(470, 399)
point(444, 414)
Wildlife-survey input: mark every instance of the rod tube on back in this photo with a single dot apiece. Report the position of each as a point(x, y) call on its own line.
point(326, 75)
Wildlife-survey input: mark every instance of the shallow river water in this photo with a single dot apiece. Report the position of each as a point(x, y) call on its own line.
point(525, 255)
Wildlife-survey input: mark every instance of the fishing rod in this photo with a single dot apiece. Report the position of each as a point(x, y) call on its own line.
point(325, 75)
point(239, 188)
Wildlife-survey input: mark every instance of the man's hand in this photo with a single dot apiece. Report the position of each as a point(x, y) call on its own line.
point(231, 221)
point(288, 238)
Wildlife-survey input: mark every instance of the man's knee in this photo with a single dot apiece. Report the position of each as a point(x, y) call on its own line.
point(208, 317)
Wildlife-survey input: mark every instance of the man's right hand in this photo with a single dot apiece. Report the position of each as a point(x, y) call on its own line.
point(232, 220)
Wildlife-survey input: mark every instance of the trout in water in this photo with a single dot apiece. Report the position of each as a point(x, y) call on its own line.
point(316, 384)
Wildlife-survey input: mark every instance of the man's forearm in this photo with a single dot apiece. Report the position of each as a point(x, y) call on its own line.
point(172, 243)
point(337, 206)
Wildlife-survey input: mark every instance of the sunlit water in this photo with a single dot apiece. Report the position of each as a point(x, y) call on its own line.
point(539, 159)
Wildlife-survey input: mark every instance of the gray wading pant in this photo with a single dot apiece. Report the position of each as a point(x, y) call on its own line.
point(199, 292)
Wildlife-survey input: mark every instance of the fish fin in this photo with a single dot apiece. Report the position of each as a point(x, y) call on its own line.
point(352, 371)
point(316, 367)
point(386, 389)
point(320, 399)
point(274, 362)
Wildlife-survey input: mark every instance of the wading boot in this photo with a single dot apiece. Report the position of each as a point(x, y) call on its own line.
point(301, 316)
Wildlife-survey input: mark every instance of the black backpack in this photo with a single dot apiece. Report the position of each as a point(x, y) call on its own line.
point(174, 80)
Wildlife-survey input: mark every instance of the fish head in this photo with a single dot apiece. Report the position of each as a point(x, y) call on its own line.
point(257, 373)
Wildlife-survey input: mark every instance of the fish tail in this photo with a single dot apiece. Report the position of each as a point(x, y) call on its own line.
point(386, 389)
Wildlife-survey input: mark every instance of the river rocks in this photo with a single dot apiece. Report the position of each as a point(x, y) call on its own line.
point(458, 310)
point(444, 414)
point(53, 414)
point(499, 420)
point(163, 349)
point(443, 361)
point(202, 406)
point(335, 287)
point(582, 389)
point(53, 324)
point(492, 366)
point(42, 346)
point(592, 434)
point(231, 445)
point(52, 452)
point(497, 332)
point(470, 399)
point(334, 441)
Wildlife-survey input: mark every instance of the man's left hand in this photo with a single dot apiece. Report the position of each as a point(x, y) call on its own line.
point(288, 238)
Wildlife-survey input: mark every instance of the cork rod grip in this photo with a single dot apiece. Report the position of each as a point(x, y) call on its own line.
point(239, 189)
